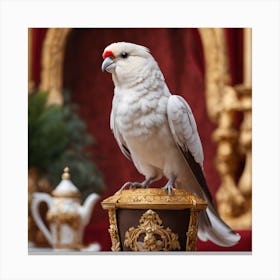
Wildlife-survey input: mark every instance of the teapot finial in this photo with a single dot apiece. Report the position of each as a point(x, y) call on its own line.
point(66, 173)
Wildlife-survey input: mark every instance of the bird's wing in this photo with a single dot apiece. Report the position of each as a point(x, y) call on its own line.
point(184, 130)
point(117, 134)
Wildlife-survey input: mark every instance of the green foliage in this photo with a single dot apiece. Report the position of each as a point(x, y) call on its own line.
point(58, 137)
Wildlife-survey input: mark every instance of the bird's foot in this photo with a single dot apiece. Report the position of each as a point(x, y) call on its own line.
point(135, 185)
point(169, 186)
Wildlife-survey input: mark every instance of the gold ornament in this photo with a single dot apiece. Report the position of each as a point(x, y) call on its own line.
point(113, 230)
point(192, 231)
point(224, 101)
point(150, 234)
point(154, 197)
point(156, 237)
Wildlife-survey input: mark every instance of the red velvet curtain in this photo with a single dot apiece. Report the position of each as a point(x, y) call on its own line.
point(180, 57)
point(38, 36)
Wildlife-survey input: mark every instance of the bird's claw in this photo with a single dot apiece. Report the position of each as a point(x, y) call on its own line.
point(136, 185)
point(168, 188)
point(133, 185)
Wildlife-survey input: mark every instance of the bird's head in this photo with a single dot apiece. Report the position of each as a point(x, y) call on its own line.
point(125, 60)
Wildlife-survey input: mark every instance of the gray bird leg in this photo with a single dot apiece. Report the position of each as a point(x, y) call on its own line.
point(169, 186)
point(135, 185)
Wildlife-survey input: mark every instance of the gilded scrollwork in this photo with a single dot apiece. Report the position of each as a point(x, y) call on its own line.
point(229, 198)
point(155, 196)
point(192, 231)
point(245, 146)
point(245, 139)
point(223, 102)
point(150, 235)
point(113, 230)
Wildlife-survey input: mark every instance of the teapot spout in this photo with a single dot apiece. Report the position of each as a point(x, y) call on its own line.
point(86, 209)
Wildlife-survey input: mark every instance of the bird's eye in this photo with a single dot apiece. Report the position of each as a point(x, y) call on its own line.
point(124, 55)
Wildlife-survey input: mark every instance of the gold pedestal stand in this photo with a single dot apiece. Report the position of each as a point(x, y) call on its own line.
point(151, 220)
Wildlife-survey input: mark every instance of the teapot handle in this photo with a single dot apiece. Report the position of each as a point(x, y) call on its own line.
point(37, 199)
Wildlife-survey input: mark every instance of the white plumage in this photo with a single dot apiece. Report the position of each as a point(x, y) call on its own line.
point(158, 132)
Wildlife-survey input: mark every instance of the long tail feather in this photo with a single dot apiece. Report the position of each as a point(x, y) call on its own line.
point(212, 227)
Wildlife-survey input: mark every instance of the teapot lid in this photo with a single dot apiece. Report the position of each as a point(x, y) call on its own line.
point(66, 188)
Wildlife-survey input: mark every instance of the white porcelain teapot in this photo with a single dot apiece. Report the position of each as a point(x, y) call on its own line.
point(66, 216)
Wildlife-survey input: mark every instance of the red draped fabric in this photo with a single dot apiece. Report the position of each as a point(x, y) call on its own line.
point(38, 36)
point(180, 57)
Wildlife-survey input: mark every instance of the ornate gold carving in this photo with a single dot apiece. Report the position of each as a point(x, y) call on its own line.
point(223, 103)
point(113, 230)
point(216, 69)
point(245, 145)
point(230, 200)
point(52, 63)
point(150, 235)
point(154, 198)
point(245, 139)
point(234, 199)
point(192, 231)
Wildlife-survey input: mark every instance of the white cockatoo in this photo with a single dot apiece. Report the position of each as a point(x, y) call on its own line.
point(157, 131)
